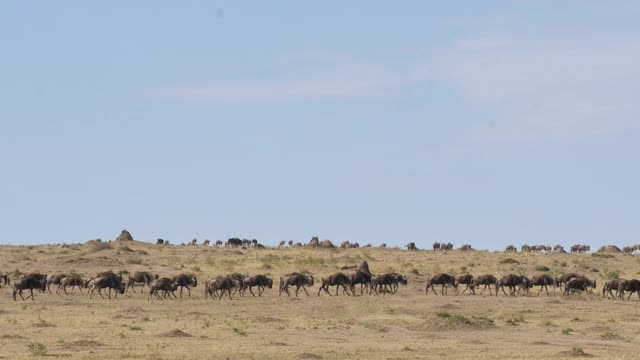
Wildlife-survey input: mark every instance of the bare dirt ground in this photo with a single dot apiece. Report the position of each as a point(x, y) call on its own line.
point(408, 325)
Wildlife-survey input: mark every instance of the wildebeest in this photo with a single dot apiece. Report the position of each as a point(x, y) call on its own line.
point(261, 281)
point(439, 279)
point(486, 280)
point(543, 280)
point(580, 248)
point(565, 278)
point(512, 281)
point(361, 278)
point(185, 281)
point(436, 246)
point(73, 281)
point(609, 286)
point(166, 285)
point(466, 279)
point(55, 280)
point(525, 248)
point(220, 284)
point(411, 246)
point(140, 277)
point(238, 283)
point(466, 247)
point(29, 283)
point(110, 282)
point(510, 248)
point(337, 280)
point(632, 286)
point(579, 284)
point(387, 283)
point(296, 279)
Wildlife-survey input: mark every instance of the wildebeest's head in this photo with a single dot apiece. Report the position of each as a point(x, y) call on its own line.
point(195, 281)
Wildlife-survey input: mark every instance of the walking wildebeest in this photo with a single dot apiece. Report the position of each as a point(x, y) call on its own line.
point(543, 280)
point(467, 280)
point(222, 284)
point(579, 284)
point(185, 281)
point(565, 278)
point(337, 280)
point(261, 281)
point(73, 281)
point(632, 286)
point(29, 283)
point(361, 278)
point(295, 279)
point(440, 279)
point(110, 282)
point(55, 280)
point(486, 280)
point(512, 281)
point(609, 286)
point(140, 277)
point(166, 285)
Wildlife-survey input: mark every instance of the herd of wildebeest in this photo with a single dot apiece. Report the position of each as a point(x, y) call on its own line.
point(236, 284)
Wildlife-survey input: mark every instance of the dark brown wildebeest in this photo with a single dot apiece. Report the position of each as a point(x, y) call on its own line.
point(295, 279)
point(439, 279)
point(510, 248)
point(29, 283)
point(219, 243)
point(512, 281)
point(411, 246)
point(466, 279)
point(565, 278)
point(110, 282)
point(220, 284)
point(140, 277)
point(337, 280)
point(524, 285)
point(185, 281)
point(466, 247)
point(609, 286)
point(238, 283)
point(579, 284)
point(632, 286)
point(159, 242)
point(361, 278)
point(206, 242)
point(166, 285)
point(387, 283)
point(543, 280)
point(73, 281)
point(486, 280)
point(436, 246)
point(261, 281)
point(282, 244)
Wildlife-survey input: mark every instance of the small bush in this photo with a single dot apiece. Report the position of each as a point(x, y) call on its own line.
point(567, 331)
point(135, 328)
point(37, 349)
point(542, 268)
point(509, 261)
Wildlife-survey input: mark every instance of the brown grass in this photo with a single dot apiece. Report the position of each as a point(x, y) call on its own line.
point(408, 325)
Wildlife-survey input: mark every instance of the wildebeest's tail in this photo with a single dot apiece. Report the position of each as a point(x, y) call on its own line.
point(281, 286)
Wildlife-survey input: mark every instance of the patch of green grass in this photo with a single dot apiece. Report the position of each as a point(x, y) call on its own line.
point(542, 268)
point(37, 349)
point(135, 328)
point(509, 261)
point(567, 331)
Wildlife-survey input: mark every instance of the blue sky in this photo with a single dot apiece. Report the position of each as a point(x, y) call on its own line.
point(487, 123)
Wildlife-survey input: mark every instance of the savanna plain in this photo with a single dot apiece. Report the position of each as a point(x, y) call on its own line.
point(407, 325)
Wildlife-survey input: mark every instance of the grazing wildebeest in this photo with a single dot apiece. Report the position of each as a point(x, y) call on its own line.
point(510, 248)
point(559, 249)
point(486, 280)
point(466, 247)
point(110, 282)
point(141, 277)
point(411, 246)
point(221, 284)
point(632, 286)
point(29, 283)
point(543, 280)
point(261, 281)
point(466, 279)
point(166, 285)
point(185, 281)
point(282, 244)
point(446, 247)
point(219, 243)
point(565, 278)
point(73, 281)
point(295, 279)
point(206, 242)
point(512, 281)
point(525, 248)
point(361, 278)
point(579, 284)
point(337, 280)
point(440, 279)
point(609, 286)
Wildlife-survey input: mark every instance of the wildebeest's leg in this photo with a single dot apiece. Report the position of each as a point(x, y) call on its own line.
point(20, 293)
point(189, 290)
point(32, 299)
point(305, 290)
point(64, 288)
point(251, 291)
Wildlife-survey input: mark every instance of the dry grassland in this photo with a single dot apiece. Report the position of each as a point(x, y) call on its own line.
point(408, 325)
